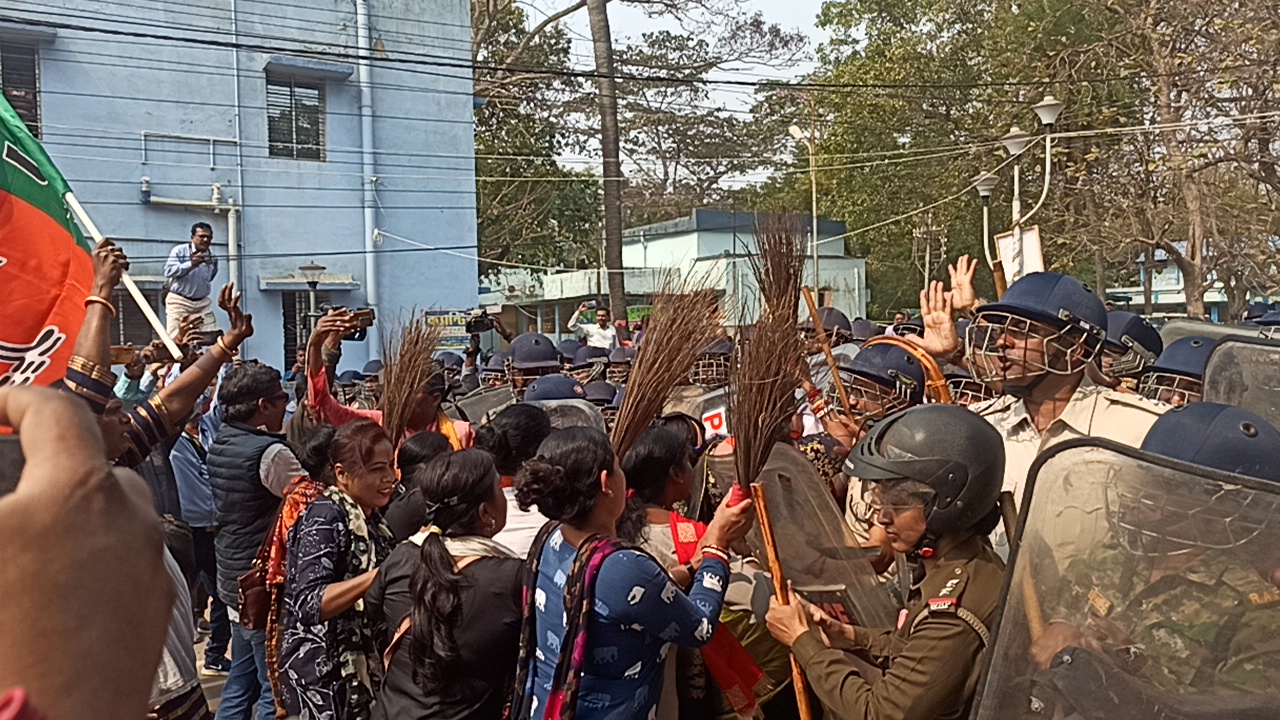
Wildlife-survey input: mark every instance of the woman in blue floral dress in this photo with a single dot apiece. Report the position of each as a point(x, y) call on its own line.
point(329, 664)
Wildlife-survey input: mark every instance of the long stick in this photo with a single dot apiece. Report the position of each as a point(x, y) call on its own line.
point(826, 349)
point(780, 592)
point(128, 282)
point(1030, 600)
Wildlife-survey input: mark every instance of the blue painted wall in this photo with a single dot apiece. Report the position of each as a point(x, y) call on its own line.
point(99, 93)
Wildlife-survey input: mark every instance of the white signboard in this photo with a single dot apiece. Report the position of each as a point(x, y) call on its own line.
point(1020, 255)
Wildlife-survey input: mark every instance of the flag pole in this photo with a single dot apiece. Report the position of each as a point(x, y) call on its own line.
point(129, 284)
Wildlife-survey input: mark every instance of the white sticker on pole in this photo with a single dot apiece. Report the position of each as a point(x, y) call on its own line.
point(1020, 256)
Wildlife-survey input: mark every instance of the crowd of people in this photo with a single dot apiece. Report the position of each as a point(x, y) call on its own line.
point(501, 558)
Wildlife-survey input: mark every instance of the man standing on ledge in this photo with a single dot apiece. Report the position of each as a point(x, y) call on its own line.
point(189, 275)
point(601, 335)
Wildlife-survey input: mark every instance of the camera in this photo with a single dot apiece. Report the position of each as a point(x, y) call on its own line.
point(478, 321)
point(364, 318)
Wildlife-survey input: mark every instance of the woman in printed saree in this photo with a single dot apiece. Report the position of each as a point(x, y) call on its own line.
point(329, 664)
point(600, 618)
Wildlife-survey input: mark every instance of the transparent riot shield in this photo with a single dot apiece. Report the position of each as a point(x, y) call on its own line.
point(1141, 589)
point(479, 406)
point(572, 413)
point(816, 548)
point(1178, 328)
point(1245, 372)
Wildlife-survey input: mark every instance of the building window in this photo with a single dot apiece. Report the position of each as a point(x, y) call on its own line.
point(295, 118)
point(294, 306)
point(130, 324)
point(19, 76)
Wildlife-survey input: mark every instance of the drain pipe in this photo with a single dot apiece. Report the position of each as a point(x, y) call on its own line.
point(365, 75)
point(217, 204)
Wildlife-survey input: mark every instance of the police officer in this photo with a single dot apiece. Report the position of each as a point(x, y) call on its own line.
point(1131, 345)
point(1036, 344)
point(1177, 376)
point(1183, 596)
point(532, 356)
point(934, 474)
point(589, 363)
point(620, 361)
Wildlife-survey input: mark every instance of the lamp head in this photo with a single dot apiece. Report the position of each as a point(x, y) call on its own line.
point(1015, 141)
point(797, 133)
point(1048, 110)
point(311, 272)
point(985, 182)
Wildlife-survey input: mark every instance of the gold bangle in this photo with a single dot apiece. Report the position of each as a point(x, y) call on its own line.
point(230, 353)
point(98, 300)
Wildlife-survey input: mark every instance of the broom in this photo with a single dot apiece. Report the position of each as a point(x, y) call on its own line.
point(408, 363)
point(683, 322)
point(762, 379)
point(762, 383)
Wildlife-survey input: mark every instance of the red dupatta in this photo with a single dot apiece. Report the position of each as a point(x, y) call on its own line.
point(733, 668)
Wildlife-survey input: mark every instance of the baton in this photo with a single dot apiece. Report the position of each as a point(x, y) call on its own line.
point(1030, 600)
point(826, 349)
point(780, 592)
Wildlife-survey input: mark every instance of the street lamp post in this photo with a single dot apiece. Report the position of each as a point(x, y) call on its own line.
point(985, 184)
point(810, 140)
point(1015, 142)
point(311, 273)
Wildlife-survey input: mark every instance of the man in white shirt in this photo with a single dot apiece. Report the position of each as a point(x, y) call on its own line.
point(601, 335)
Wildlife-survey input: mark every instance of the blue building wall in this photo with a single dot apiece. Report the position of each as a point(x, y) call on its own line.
point(99, 93)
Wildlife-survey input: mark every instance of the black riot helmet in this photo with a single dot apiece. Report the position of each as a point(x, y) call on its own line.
point(953, 456)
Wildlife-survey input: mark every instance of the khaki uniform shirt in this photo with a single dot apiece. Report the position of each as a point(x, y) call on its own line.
point(933, 658)
point(1092, 411)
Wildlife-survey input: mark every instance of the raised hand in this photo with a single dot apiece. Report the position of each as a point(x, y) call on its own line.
point(109, 264)
point(940, 338)
point(963, 297)
point(241, 322)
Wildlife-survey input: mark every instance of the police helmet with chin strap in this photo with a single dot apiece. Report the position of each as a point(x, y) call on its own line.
point(951, 454)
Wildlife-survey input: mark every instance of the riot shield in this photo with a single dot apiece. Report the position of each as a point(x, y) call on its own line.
point(816, 548)
point(571, 413)
point(709, 405)
point(1141, 588)
point(479, 406)
point(1178, 328)
point(1245, 372)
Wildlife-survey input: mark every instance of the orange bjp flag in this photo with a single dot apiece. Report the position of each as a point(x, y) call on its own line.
point(46, 266)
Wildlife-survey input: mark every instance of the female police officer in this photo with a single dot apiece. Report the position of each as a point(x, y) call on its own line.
point(933, 476)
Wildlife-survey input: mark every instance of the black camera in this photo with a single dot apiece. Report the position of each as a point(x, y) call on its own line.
point(479, 322)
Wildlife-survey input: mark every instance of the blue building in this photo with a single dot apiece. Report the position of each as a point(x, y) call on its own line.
point(325, 132)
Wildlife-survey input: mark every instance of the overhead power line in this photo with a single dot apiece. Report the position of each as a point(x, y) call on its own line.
point(417, 60)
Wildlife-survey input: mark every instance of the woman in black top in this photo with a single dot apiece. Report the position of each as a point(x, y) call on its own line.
point(451, 597)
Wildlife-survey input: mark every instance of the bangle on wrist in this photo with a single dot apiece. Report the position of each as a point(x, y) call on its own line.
point(99, 300)
point(223, 345)
point(717, 552)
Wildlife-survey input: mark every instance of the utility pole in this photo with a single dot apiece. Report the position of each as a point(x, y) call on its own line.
point(607, 92)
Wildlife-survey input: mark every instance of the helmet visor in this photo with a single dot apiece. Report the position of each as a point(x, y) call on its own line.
point(1171, 388)
point(896, 495)
point(1002, 347)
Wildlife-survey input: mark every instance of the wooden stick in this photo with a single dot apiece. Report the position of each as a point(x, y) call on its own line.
point(780, 592)
point(826, 349)
point(128, 282)
point(1030, 600)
